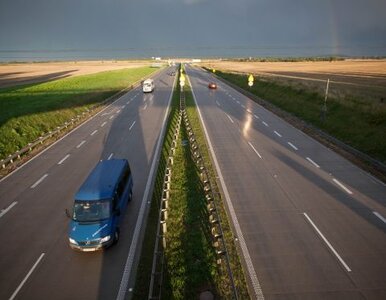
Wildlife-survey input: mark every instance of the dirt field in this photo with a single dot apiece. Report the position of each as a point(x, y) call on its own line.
point(15, 74)
point(362, 78)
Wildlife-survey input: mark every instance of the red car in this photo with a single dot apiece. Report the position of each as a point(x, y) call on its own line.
point(212, 85)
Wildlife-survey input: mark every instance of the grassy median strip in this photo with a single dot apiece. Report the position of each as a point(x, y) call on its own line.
point(30, 111)
point(191, 264)
point(357, 122)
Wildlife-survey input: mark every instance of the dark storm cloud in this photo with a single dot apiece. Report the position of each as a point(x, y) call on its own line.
point(247, 27)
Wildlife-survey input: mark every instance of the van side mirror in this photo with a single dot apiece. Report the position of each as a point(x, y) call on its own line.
point(68, 214)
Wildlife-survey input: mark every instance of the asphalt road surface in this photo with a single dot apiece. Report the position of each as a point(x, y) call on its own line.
point(311, 224)
point(36, 261)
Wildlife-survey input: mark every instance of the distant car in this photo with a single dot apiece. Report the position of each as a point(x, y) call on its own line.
point(212, 85)
point(148, 86)
point(172, 73)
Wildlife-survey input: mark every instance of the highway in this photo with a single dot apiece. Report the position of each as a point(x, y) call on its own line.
point(310, 224)
point(36, 261)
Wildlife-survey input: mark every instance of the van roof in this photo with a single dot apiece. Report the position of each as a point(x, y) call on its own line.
point(101, 182)
point(148, 80)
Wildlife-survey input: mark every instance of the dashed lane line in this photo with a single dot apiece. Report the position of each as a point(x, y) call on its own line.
point(39, 181)
point(342, 186)
point(293, 146)
point(312, 162)
point(63, 159)
point(327, 243)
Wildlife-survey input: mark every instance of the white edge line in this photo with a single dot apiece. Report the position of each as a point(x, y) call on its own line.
point(342, 186)
point(379, 216)
point(314, 163)
point(138, 226)
point(81, 144)
point(110, 156)
point(265, 124)
point(4, 211)
point(63, 159)
point(26, 277)
point(132, 125)
point(94, 132)
point(293, 146)
point(251, 270)
point(256, 116)
point(254, 149)
point(103, 124)
point(39, 181)
point(145, 107)
point(328, 243)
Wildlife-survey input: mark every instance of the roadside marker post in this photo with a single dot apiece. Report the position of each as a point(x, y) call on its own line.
point(250, 80)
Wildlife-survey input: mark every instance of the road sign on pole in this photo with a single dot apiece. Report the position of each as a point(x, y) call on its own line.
point(250, 80)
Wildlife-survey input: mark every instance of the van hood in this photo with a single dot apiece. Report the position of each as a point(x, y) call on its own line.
point(89, 231)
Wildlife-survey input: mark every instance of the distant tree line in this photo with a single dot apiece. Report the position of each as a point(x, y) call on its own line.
point(298, 59)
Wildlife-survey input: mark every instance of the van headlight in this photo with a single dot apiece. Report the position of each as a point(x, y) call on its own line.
point(105, 239)
point(72, 241)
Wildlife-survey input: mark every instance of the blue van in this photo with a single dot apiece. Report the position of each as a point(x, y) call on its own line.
point(99, 204)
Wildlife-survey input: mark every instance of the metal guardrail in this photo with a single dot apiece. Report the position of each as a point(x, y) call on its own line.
point(76, 120)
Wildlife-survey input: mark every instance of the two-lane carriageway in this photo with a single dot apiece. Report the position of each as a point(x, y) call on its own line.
point(310, 224)
point(36, 261)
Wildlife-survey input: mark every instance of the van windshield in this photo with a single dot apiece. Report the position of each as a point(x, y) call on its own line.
point(91, 211)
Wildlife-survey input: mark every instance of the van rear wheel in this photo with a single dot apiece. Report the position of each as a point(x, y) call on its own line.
point(116, 236)
point(130, 195)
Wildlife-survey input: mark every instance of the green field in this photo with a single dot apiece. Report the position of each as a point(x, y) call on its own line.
point(358, 123)
point(30, 111)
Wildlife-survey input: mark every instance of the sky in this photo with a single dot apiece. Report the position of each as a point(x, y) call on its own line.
point(190, 28)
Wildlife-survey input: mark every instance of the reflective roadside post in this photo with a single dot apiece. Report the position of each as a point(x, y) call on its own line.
point(250, 80)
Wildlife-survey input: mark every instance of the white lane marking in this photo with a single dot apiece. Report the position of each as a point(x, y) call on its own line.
point(110, 156)
point(256, 116)
point(254, 149)
point(94, 132)
point(328, 243)
point(293, 146)
point(342, 186)
point(242, 105)
point(103, 124)
point(278, 134)
point(4, 211)
point(265, 124)
point(145, 107)
point(111, 117)
point(218, 103)
point(238, 102)
point(123, 106)
point(135, 237)
point(128, 102)
point(81, 144)
point(118, 111)
point(39, 181)
point(314, 163)
point(132, 125)
point(26, 277)
point(251, 270)
point(230, 119)
point(63, 159)
point(375, 213)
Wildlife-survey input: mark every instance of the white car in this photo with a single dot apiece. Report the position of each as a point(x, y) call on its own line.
point(148, 86)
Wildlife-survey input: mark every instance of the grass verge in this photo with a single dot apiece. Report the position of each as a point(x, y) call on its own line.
point(351, 120)
point(30, 111)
